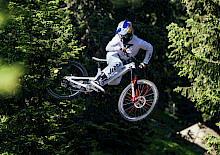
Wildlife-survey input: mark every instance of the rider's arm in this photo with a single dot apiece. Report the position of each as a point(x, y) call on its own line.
point(114, 44)
point(149, 50)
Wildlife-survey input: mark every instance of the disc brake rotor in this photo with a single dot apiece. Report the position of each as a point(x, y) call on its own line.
point(140, 102)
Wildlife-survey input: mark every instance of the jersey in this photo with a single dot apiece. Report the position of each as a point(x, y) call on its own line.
point(133, 46)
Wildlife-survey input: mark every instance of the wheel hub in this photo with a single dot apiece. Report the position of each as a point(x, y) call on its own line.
point(64, 83)
point(140, 102)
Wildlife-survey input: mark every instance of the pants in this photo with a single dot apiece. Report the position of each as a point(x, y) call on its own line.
point(114, 65)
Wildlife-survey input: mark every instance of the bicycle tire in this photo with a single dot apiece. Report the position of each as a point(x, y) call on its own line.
point(143, 105)
point(69, 68)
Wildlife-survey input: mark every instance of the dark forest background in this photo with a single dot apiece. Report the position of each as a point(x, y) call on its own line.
point(34, 34)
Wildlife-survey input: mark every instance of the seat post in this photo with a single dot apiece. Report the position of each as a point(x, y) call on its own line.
point(98, 63)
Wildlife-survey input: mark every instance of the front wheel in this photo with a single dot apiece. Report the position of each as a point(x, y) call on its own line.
point(146, 98)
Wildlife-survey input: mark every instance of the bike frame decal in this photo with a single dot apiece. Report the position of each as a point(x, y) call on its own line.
point(113, 69)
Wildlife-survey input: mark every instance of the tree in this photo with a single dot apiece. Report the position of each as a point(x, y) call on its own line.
point(36, 34)
point(195, 50)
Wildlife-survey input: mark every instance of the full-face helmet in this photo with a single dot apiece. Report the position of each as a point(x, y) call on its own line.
point(125, 31)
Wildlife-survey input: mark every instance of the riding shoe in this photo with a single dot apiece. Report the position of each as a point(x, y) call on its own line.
point(96, 84)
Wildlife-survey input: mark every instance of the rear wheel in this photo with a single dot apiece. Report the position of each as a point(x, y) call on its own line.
point(146, 98)
point(60, 88)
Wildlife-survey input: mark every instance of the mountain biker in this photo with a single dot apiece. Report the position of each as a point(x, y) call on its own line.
point(123, 41)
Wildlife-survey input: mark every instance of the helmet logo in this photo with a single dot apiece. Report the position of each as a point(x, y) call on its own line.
point(129, 28)
point(118, 31)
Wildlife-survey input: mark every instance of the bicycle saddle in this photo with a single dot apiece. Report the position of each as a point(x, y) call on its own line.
point(97, 59)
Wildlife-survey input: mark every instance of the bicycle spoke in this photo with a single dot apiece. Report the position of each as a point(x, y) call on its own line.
point(135, 111)
point(144, 110)
point(147, 107)
point(149, 94)
point(129, 93)
point(129, 97)
point(150, 100)
point(131, 109)
point(127, 103)
point(147, 91)
point(143, 89)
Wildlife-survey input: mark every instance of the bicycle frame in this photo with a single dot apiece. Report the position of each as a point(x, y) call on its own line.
point(136, 101)
point(121, 72)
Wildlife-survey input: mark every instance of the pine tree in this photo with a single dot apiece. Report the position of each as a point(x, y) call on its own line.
point(36, 34)
point(195, 50)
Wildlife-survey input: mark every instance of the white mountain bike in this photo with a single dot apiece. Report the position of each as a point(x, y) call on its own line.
point(135, 103)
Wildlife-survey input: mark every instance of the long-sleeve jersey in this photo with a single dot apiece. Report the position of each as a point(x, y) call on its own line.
point(133, 46)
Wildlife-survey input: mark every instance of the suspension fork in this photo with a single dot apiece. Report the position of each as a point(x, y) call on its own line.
point(133, 84)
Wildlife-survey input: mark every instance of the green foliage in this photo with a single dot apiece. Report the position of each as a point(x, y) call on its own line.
point(3, 12)
point(213, 143)
point(196, 52)
point(35, 37)
point(195, 48)
point(36, 129)
point(39, 33)
point(163, 146)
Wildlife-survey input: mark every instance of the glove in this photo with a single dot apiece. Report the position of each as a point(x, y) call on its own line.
point(142, 65)
point(123, 49)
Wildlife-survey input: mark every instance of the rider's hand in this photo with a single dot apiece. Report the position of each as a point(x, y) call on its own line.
point(123, 49)
point(142, 65)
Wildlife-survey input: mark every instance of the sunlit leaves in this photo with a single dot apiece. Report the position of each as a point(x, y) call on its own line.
point(9, 78)
point(213, 144)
